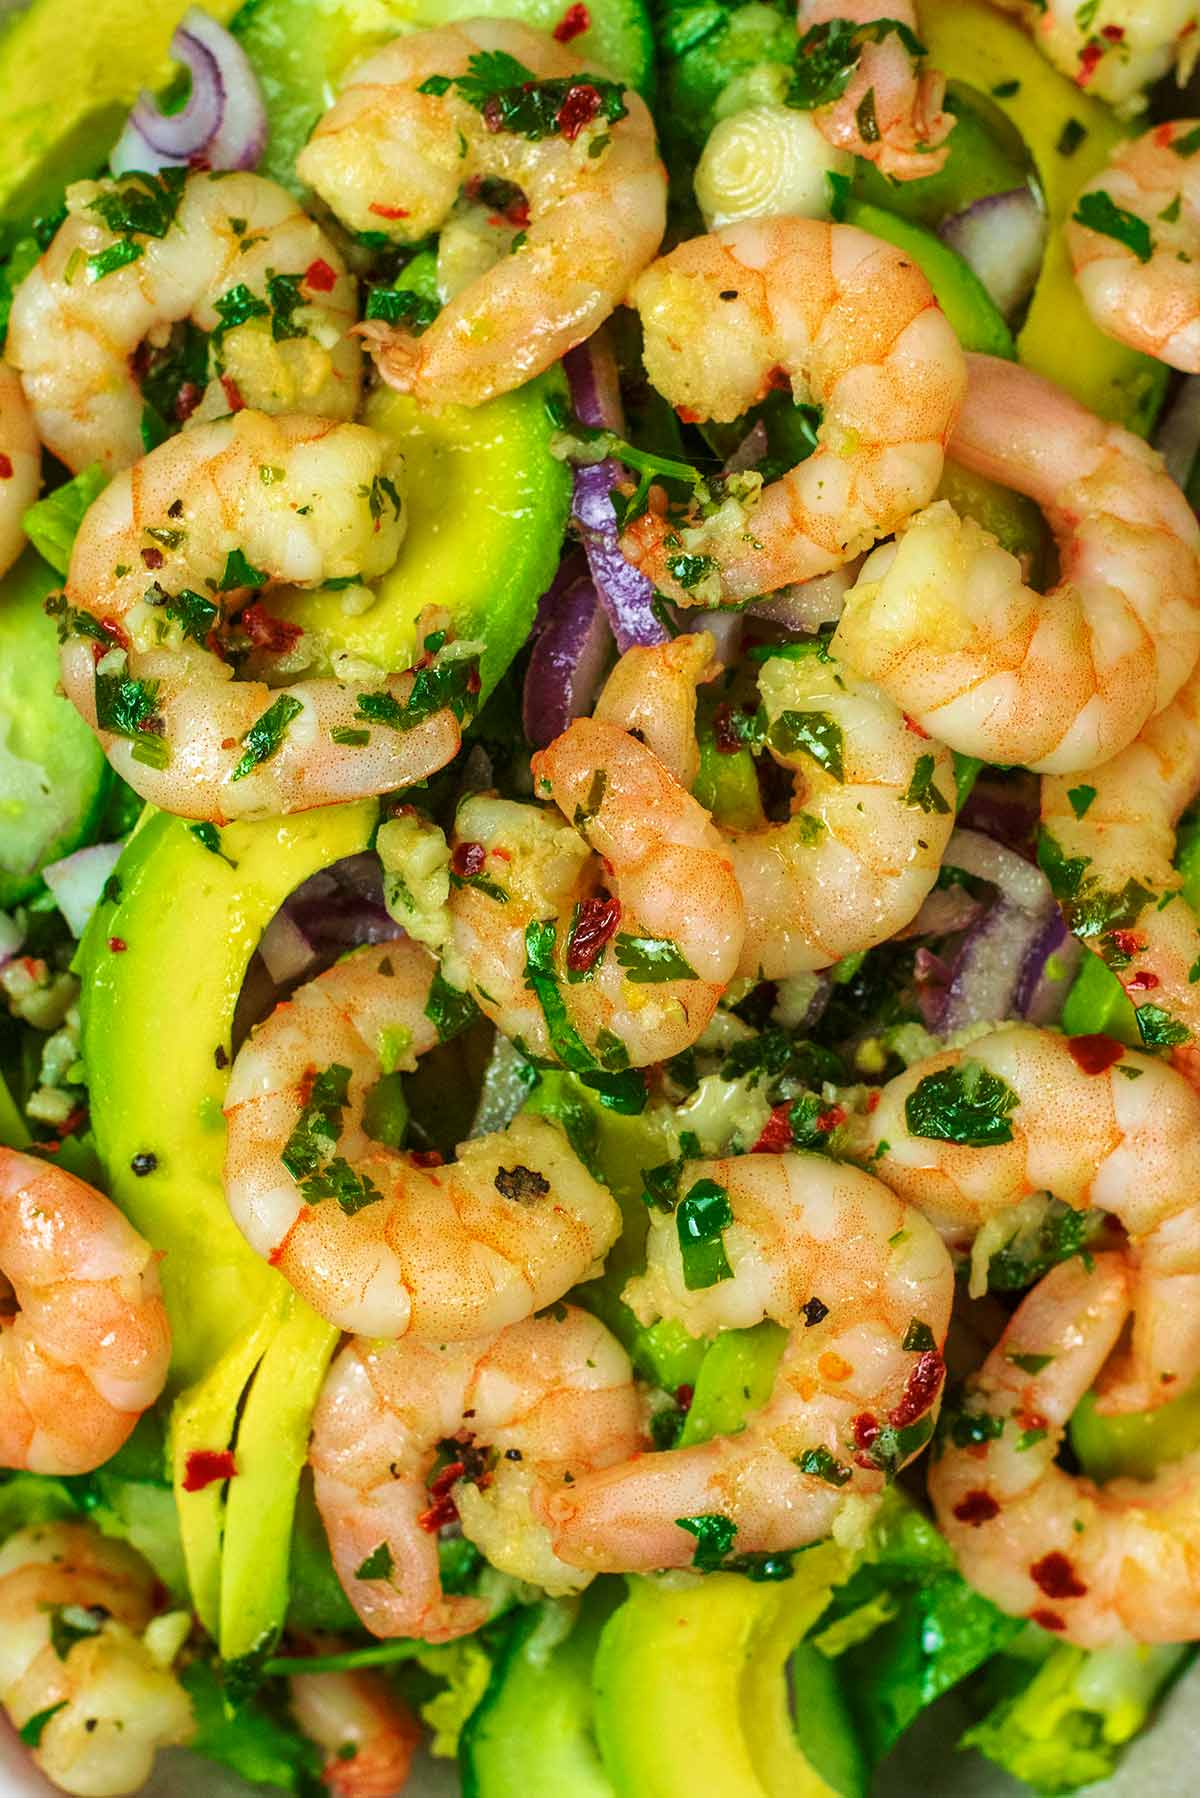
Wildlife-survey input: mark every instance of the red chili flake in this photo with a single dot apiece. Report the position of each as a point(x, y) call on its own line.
point(1114, 33)
point(829, 1120)
point(725, 738)
point(265, 631)
point(233, 394)
point(1127, 942)
point(1089, 56)
point(911, 724)
point(71, 1123)
point(1143, 982)
point(873, 1101)
point(319, 276)
point(865, 1428)
point(574, 22)
point(778, 378)
point(596, 925)
point(1031, 1420)
point(776, 1134)
point(920, 1389)
point(976, 1508)
point(387, 212)
point(439, 1514)
point(683, 1394)
point(1094, 1054)
point(577, 110)
point(186, 400)
point(117, 944)
point(205, 1466)
point(473, 681)
point(1047, 1619)
point(153, 558)
point(426, 1157)
point(467, 860)
point(1163, 135)
point(686, 416)
point(112, 630)
point(1057, 1577)
point(6, 467)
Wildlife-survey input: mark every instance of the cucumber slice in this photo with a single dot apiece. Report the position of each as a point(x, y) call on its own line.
point(53, 776)
point(301, 50)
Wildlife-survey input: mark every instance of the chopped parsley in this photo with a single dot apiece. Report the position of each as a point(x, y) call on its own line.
point(195, 615)
point(1100, 213)
point(31, 1730)
point(648, 960)
point(266, 734)
point(237, 306)
point(448, 681)
point(918, 1338)
point(823, 1466)
point(816, 734)
point(128, 708)
point(700, 1220)
point(1158, 1029)
point(512, 98)
point(117, 255)
point(239, 573)
point(714, 1533)
point(378, 1564)
point(337, 1180)
point(971, 1429)
point(71, 1623)
point(141, 205)
point(922, 791)
point(968, 1105)
point(316, 1131)
point(865, 118)
point(828, 54)
point(1188, 144)
point(1080, 798)
point(402, 306)
point(689, 571)
point(1031, 1364)
point(449, 1009)
point(283, 296)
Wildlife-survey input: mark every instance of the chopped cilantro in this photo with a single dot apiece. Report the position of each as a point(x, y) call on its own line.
point(865, 119)
point(816, 734)
point(117, 255)
point(348, 737)
point(922, 792)
point(966, 1104)
point(689, 571)
point(1080, 798)
point(283, 296)
point(266, 734)
point(591, 806)
point(512, 98)
point(828, 54)
point(126, 706)
point(1188, 144)
point(236, 307)
point(1070, 137)
point(195, 615)
point(239, 573)
point(338, 1180)
point(714, 1535)
point(141, 204)
point(648, 960)
point(448, 1009)
point(31, 1730)
point(402, 306)
point(1031, 1364)
point(1100, 213)
point(823, 1466)
point(971, 1429)
point(449, 681)
point(378, 1564)
point(700, 1219)
point(660, 1185)
point(1158, 1029)
point(918, 1338)
point(316, 1131)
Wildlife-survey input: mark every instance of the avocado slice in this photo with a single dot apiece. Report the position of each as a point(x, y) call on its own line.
point(68, 77)
point(960, 293)
point(531, 1734)
point(971, 42)
point(487, 507)
point(54, 780)
point(301, 49)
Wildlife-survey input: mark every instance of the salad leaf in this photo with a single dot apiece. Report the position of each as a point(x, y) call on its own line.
point(52, 523)
point(248, 1740)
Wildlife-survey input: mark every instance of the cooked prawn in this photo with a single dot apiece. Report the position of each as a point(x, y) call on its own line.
point(887, 86)
point(1111, 831)
point(20, 465)
point(1078, 1117)
point(623, 915)
point(103, 1688)
point(365, 1728)
point(1116, 49)
point(87, 1349)
point(542, 1403)
point(942, 618)
point(1144, 286)
point(401, 141)
point(165, 561)
point(864, 1288)
point(232, 253)
point(839, 318)
point(374, 1240)
point(872, 811)
point(1095, 1564)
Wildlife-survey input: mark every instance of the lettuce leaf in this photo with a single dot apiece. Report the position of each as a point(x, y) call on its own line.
point(51, 524)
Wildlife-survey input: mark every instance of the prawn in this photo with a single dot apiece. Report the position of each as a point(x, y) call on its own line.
point(86, 1351)
point(864, 1288)
point(1135, 267)
point(164, 565)
point(1108, 840)
point(942, 618)
point(1115, 49)
point(20, 465)
point(376, 1240)
point(85, 1663)
point(365, 1728)
point(872, 812)
point(231, 254)
point(890, 111)
point(603, 939)
point(531, 1408)
point(1095, 1564)
point(836, 317)
point(968, 1135)
point(416, 124)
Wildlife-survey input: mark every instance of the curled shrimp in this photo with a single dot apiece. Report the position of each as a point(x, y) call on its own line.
point(1116, 49)
point(87, 1349)
point(532, 1408)
point(366, 1730)
point(1144, 287)
point(839, 318)
point(401, 141)
point(232, 253)
point(942, 618)
point(164, 563)
point(969, 1134)
point(1109, 839)
point(596, 969)
point(872, 810)
point(1092, 1563)
point(20, 465)
point(375, 1241)
point(864, 1288)
point(102, 1686)
point(908, 125)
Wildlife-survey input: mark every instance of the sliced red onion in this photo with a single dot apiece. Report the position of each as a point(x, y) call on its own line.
point(342, 907)
point(1048, 973)
point(1178, 434)
point(1003, 238)
point(750, 451)
point(624, 591)
point(569, 655)
point(224, 123)
point(808, 605)
point(946, 910)
point(78, 880)
point(286, 951)
point(724, 627)
point(1005, 810)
